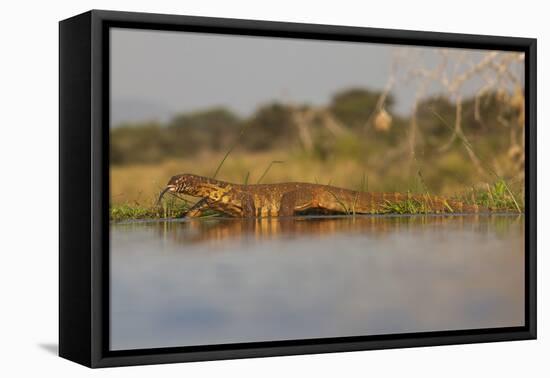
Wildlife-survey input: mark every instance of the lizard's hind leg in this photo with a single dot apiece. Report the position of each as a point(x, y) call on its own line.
point(297, 200)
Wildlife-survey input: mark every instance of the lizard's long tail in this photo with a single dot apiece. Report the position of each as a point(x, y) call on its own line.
point(350, 201)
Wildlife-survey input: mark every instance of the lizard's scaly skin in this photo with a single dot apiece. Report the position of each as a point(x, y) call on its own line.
point(290, 198)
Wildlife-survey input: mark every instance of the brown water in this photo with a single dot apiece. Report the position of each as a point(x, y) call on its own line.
point(216, 281)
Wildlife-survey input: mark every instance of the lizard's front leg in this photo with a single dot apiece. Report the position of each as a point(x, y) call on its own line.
point(240, 207)
point(197, 209)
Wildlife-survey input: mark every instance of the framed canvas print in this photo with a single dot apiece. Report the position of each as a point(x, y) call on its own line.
point(234, 188)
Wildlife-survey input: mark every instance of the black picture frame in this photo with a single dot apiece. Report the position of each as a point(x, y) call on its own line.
point(84, 187)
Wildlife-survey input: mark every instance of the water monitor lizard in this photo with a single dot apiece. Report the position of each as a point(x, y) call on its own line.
point(291, 198)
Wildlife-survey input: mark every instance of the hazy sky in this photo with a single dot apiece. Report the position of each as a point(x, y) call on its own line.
point(156, 74)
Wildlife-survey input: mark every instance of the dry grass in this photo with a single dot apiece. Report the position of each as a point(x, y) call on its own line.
point(140, 183)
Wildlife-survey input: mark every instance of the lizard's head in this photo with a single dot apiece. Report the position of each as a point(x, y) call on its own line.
point(186, 184)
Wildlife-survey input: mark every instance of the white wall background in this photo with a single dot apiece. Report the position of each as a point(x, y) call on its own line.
point(29, 186)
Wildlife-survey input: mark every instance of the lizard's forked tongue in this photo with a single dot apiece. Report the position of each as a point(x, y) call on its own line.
point(162, 195)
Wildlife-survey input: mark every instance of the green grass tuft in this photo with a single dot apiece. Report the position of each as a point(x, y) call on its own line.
point(496, 197)
point(408, 206)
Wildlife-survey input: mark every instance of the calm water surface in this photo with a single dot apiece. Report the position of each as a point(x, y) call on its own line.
point(215, 281)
